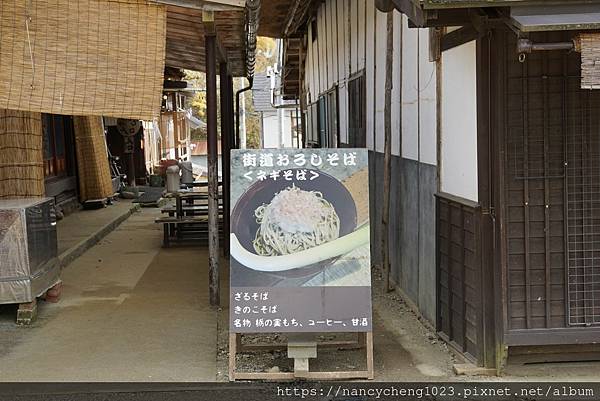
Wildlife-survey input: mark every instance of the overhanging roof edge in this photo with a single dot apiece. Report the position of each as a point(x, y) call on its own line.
point(440, 4)
point(556, 18)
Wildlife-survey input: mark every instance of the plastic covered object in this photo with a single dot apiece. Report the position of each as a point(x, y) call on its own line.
point(28, 249)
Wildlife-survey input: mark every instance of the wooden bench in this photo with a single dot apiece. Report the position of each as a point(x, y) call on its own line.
point(189, 228)
point(195, 210)
point(188, 219)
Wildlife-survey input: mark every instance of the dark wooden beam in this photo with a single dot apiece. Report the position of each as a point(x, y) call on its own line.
point(555, 336)
point(307, 9)
point(183, 63)
point(204, 5)
point(411, 8)
point(213, 172)
point(210, 28)
point(459, 37)
point(291, 17)
point(178, 57)
point(231, 108)
point(225, 148)
point(444, 18)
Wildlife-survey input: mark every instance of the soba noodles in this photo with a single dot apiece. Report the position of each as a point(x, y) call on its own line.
point(295, 220)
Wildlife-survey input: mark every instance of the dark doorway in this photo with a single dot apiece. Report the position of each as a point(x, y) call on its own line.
point(60, 169)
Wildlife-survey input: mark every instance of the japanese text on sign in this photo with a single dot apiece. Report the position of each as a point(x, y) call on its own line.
point(280, 166)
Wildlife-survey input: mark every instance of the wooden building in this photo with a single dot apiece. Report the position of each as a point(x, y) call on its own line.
point(279, 122)
point(115, 69)
point(495, 153)
point(336, 68)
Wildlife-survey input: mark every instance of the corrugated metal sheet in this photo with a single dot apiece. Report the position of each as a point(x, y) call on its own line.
point(261, 93)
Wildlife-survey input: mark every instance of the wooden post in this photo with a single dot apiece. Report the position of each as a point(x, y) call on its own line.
point(213, 177)
point(490, 139)
point(387, 162)
point(233, 345)
point(225, 148)
point(370, 362)
point(232, 140)
point(231, 136)
point(176, 130)
point(300, 353)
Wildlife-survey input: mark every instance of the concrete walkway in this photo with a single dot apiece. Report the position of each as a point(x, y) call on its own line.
point(130, 311)
point(133, 311)
point(81, 230)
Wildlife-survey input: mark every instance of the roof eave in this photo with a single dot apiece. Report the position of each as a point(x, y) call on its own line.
point(441, 4)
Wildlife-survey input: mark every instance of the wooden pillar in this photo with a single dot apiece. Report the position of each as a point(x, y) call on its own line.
point(232, 144)
point(232, 139)
point(213, 178)
point(490, 175)
point(387, 154)
point(225, 148)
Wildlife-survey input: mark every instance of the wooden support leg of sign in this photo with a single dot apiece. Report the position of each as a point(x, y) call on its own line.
point(370, 363)
point(233, 347)
point(365, 340)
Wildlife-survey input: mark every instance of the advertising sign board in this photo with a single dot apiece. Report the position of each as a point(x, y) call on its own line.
point(300, 251)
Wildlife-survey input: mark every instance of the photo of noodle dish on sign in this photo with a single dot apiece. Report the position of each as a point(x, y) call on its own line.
point(295, 220)
point(301, 232)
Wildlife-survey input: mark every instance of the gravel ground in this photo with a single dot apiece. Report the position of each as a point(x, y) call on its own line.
point(405, 349)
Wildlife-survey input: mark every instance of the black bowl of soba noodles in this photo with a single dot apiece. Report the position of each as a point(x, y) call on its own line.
point(281, 217)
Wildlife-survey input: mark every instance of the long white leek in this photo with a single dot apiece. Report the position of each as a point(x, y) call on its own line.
point(307, 257)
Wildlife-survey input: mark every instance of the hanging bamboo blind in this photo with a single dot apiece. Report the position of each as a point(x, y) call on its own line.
point(589, 46)
point(92, 159)
point(21, 164)
point(82, 57)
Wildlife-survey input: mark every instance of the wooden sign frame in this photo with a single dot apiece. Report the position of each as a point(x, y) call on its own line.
point(364, 341)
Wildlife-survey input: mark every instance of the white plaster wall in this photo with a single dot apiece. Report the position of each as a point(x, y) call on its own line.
point(341, 24)
point(427, 102)
point(410, 91)
point(286, 137)
point(342, 63)
point(366, 12)
point(380, 67)
point(396, 88)
point(322, 48)
point(368, 34)
point(272, 125)
point(330, 20)
point(459, 122)
point(353, 33)
point(270, 131)
point(351, 38)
